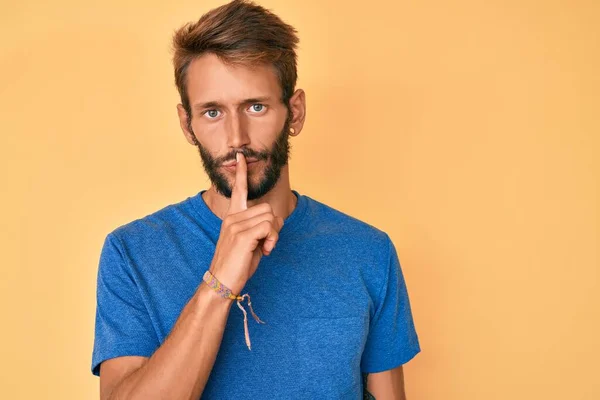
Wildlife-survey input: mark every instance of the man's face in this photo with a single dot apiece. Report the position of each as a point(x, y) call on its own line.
point(238, 110)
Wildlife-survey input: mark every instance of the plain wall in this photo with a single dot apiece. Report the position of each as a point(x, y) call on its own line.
point(467, 130)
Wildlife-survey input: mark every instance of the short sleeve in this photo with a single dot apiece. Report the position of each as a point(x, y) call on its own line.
point(123, 326)
point(392, 339)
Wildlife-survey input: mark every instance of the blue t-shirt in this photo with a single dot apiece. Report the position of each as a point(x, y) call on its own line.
point(331, 294)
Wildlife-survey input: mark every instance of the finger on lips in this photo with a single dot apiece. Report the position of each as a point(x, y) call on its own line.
point(257, 218)
point(239, 193)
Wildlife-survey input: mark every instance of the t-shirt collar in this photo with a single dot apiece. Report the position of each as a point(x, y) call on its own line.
point(214, 222)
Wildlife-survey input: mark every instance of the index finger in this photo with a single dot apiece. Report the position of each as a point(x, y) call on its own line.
point(239, 192)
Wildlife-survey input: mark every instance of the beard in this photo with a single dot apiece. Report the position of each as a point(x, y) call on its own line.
point(276, 158)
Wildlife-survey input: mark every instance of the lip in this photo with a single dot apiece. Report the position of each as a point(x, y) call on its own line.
point(231, 165)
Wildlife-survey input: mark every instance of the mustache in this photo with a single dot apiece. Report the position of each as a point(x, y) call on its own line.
point(248, 153)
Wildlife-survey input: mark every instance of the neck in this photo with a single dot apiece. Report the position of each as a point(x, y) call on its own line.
point(281, 198)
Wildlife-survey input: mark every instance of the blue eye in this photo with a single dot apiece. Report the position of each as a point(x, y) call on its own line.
point(210, 115)
point(256, 108)
point(261, 106)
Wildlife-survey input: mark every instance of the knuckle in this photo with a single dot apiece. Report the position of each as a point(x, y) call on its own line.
point(236, 239)
point(261, 225)
point(265, 227)
point(233, 229)
point(266, 207)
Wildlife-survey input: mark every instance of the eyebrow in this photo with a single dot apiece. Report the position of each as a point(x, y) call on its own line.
point(216, 104)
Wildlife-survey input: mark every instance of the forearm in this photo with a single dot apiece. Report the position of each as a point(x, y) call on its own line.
point(180, 367)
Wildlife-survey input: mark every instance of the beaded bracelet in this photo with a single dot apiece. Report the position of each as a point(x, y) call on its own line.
point(225, 292)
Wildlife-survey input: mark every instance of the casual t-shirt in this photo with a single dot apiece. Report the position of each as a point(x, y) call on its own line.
point(332, 296)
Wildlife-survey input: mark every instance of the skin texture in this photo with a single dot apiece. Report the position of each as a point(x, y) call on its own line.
point(237, 127)
point(249, 231)
point(387, 385)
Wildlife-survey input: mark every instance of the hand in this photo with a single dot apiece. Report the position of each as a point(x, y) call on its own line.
point(246, 235)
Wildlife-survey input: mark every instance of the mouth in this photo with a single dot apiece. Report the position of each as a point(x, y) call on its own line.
point(232, 165)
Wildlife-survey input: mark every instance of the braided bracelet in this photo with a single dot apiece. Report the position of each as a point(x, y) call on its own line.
point(225, 292)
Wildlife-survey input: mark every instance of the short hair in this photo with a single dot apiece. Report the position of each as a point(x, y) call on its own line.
point(239, 33)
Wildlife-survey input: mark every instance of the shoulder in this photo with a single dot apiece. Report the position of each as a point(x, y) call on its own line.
point(333, 222)
point(153, 226)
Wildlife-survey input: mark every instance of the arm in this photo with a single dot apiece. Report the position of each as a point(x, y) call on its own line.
point(181, 365)
point(392, 339)
point(387, 385)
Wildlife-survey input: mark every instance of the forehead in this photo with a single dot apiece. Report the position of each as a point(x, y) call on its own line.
point(209, 79)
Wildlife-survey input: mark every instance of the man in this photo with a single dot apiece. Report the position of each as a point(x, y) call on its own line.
point(328, 287)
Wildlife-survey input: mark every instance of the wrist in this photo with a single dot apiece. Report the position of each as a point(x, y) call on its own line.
point(208, 297)
point(228, 281)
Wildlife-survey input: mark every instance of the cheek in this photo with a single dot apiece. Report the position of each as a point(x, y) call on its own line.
point(211, 138)
point(264, 131)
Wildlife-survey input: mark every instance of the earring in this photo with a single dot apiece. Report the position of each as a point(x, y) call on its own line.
point(292, 131)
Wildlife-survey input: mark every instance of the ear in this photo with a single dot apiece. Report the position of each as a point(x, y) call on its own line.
point(183, 123)
point(298, 109)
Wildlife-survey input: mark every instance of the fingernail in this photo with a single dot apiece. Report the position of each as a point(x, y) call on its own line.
point(237, 157)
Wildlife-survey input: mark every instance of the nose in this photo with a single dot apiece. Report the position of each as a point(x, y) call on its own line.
point(237, 132)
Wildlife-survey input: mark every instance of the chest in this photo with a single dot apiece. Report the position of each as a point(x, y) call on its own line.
point(316, 311)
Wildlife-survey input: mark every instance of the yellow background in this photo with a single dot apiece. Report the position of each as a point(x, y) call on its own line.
point(467, 130)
